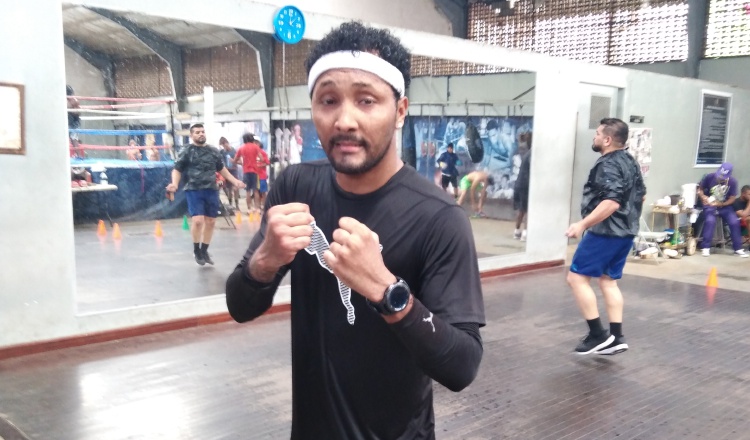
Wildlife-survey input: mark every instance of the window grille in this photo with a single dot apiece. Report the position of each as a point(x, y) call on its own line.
point(596, 31)
point(728, 29)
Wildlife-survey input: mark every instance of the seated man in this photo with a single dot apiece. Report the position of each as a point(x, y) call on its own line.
point(717, 191)
point(473, 183)
point(742, 207)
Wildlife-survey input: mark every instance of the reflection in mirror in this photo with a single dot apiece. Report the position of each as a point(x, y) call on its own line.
point(137, 83)
point(486, 114)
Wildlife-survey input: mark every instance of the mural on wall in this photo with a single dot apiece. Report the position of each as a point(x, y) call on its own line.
point(501, 150)
point(295, 142)
point(639, 145)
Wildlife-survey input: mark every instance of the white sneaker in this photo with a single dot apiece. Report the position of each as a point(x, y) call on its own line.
point(517, 234)
point(742, 253)
point(706, 252)
point(523, 235)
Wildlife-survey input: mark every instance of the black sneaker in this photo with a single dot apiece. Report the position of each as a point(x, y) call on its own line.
point(199, 258)
point(617, 346)
point(590, 344)
point(207, 258)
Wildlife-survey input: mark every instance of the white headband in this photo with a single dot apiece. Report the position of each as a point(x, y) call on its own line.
point(349, 59)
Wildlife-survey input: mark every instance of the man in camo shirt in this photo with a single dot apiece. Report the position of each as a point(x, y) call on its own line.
point(200, 162)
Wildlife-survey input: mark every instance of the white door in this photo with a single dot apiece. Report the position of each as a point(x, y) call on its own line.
point(595, 103)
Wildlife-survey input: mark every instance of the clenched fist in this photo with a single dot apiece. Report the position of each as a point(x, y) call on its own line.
point(288, 231)
point(354, 256)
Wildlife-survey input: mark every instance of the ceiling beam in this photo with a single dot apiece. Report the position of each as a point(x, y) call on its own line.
point(457, 12)
point(100, 60)
point(170, 52)
point(263, 44)
point(697, 22)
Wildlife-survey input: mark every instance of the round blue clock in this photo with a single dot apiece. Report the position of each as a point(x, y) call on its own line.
point(289, 24)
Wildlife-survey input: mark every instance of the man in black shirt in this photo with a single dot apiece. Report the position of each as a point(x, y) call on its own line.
point(521, 189)
point(448, 162)
point(200, 162)
point(385, 290)
point(611, 210)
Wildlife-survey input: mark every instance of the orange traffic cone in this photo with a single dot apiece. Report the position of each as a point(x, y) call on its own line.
point(157, 231)
point(101, 230)
point(238, 217)
point(713, 280)
point(116, 232)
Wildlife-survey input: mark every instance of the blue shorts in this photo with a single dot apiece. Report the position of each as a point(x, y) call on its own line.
point(251, 181)
point(263, 186)
point(203, 202)
point(599, 255)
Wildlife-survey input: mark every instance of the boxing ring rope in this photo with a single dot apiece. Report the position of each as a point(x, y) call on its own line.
point(99, 134)
point(133, 100)
point(120, 109)
point(115, 132)
point(108, 147)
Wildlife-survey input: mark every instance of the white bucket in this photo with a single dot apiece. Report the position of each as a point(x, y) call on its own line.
point(688, 194)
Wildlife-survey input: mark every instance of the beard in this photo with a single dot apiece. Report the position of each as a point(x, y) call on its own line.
point(596, 148)
point(344, 166)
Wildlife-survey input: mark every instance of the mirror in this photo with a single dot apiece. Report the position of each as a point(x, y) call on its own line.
point(487, 113)
point(134, 244)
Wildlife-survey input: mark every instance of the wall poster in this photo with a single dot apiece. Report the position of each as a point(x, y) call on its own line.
point(501, 144)
point(639, 145)
point(714, 128)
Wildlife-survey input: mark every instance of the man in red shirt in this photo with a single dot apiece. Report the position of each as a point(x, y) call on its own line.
point(248, 155)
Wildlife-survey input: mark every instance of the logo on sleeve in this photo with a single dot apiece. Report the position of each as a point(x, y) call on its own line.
point(429, 319)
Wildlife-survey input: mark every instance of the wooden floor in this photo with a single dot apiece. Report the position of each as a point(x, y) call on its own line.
point(685, 377)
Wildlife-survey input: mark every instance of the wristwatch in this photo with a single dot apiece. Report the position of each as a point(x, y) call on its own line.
point(395, 299)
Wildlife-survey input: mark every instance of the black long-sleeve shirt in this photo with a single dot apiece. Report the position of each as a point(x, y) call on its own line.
point(615, 176)
point(371, 379)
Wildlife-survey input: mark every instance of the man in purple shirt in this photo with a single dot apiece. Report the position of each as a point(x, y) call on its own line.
point(718, 192)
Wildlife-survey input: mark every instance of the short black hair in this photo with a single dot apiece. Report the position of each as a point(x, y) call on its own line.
point(616, 128)
point(198, 125)
point(745, 188)
point(492, 125)
point(247, 138)
point(355, 36)
point(450, 145)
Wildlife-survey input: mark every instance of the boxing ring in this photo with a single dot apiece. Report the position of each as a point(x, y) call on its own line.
point(136, 174)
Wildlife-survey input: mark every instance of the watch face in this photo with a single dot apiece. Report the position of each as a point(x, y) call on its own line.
point(398, 297)
point(289, 25)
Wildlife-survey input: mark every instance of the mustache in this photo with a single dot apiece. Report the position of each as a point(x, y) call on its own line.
point(346, 138)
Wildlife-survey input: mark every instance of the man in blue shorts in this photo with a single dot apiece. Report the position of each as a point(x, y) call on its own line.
point(200, 162)
point(611, 210)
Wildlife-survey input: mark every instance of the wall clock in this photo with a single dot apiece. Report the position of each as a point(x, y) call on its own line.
point(289, 25)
